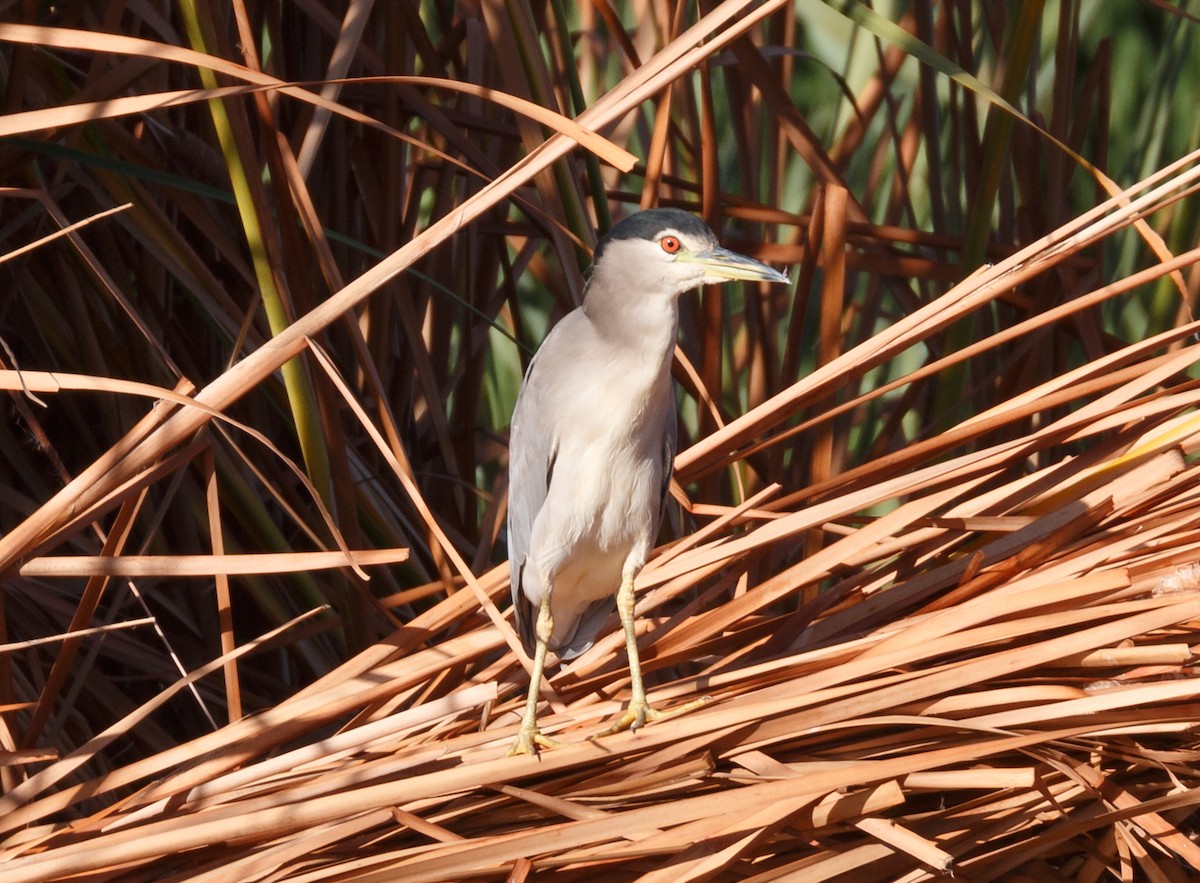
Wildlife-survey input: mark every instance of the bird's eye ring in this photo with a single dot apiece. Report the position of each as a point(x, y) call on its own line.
point(670, 244)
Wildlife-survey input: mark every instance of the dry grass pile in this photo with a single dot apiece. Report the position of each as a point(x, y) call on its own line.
point(936, 563)
point(998, 681)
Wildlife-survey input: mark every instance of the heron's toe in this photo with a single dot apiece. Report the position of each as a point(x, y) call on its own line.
point(528, 741)
point(636, 715)
point(641, 713)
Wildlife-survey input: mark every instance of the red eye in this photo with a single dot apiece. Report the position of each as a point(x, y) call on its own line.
point(670, 244)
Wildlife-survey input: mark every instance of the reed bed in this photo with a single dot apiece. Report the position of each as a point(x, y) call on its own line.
point(933, 564)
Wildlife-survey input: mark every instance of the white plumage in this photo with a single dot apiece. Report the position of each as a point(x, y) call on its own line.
point(593, 440)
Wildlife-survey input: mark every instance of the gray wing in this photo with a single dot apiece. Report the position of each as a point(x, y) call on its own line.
point(668, 458)
point(531, 453)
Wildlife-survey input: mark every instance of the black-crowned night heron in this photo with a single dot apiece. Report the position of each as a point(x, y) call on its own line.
point(593, 442)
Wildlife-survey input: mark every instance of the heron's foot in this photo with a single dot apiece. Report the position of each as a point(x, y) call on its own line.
point(528, 740)
point(641, 713)
point(636, 715)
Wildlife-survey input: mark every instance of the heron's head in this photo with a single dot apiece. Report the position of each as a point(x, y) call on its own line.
point(665, 252)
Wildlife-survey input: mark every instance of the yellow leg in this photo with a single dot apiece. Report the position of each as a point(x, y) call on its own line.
point(529, 737)
point(639, 711)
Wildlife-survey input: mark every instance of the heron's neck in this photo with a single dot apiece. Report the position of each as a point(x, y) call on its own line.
point(646, 325)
